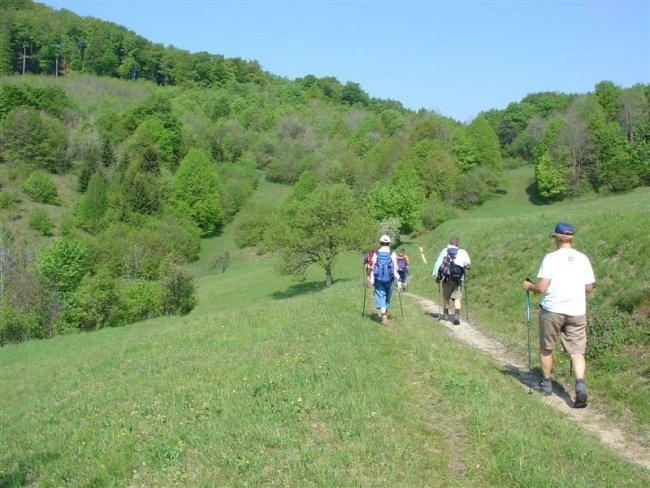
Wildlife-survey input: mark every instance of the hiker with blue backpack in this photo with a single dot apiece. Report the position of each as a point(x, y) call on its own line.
point(403, 263)
point(384, 263)
point(449, 270)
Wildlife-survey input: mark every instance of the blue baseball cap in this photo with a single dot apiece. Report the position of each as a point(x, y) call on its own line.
point(564, 229)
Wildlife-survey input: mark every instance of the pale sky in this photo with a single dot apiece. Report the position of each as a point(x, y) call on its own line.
point(454, 57)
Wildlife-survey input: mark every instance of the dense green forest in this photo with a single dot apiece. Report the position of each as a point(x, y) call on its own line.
point(117, 155)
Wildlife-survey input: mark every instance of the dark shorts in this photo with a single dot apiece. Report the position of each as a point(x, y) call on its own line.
point(572, 331)
point(452, 290)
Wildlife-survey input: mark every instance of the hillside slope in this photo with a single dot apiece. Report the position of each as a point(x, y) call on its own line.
point(269, 381)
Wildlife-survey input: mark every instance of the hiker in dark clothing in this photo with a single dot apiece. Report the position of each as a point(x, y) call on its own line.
point(403, 263)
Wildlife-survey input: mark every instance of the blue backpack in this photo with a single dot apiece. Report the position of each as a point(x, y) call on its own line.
point(384, 271)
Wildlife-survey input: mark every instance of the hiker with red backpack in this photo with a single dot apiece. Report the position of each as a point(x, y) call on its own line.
point(449, 270)
point(384, 271)
point(367, 265)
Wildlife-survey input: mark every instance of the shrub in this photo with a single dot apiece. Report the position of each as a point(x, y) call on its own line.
point(390, 226)
point(64, 264)
point(437, 213)
point(138, 252)
point(400, 197)
point(152, 135)
point(51, 99)
point(91, 208)
point(251, 226)
point(141, 192)
point(95, 302)
point(40, 221)
point(180, 297)
point(40, 188)
point(238, 186)
point(34, 139)
point(606, 334)
point(140, 300)
point(17, 326)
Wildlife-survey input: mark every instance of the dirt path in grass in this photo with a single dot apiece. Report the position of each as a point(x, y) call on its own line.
point(594, 421)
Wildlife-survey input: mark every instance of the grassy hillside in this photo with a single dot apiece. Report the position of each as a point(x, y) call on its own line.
point(271, 382)
point(507, 240)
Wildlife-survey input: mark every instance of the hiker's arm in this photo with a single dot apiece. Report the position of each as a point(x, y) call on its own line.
point(540, 287)
point(438, 262)
point(373, 261)
point(589, 288)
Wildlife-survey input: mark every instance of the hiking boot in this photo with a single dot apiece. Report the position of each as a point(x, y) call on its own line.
point(384, 319)
point(581, 398)
point(545, 386)
point(456, 320)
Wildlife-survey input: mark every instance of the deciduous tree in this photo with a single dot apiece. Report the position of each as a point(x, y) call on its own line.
point(401, 197)
point(197, 190)
point(317, 229)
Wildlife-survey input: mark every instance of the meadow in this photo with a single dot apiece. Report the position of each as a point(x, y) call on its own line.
point(272, 382)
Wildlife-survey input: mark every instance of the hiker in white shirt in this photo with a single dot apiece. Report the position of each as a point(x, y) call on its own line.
point(452, 289)
point(564, 279)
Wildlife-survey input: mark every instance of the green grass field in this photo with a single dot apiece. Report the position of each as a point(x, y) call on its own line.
point(269, 382)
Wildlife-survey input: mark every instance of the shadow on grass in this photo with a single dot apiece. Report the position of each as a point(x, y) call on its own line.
point(303, 289)
point(533, 196)
point(531, 381)
point(23, 472)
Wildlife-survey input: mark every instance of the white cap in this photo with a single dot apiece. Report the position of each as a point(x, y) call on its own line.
point(385, 239)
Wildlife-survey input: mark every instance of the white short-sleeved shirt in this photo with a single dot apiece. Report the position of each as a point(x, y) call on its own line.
point(462, 259)
point(569, 272)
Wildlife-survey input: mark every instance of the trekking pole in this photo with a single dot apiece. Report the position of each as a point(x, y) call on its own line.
point(530, 388)
point(399, 294)
point(365, 290)
point(466, 297)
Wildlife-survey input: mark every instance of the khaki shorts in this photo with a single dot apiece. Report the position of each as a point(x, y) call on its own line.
point(453, 290)
point(571, 329)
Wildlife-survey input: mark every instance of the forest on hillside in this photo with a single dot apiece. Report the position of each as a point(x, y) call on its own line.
point(118, 155)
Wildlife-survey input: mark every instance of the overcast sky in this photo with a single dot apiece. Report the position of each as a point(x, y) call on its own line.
point(455, 57)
